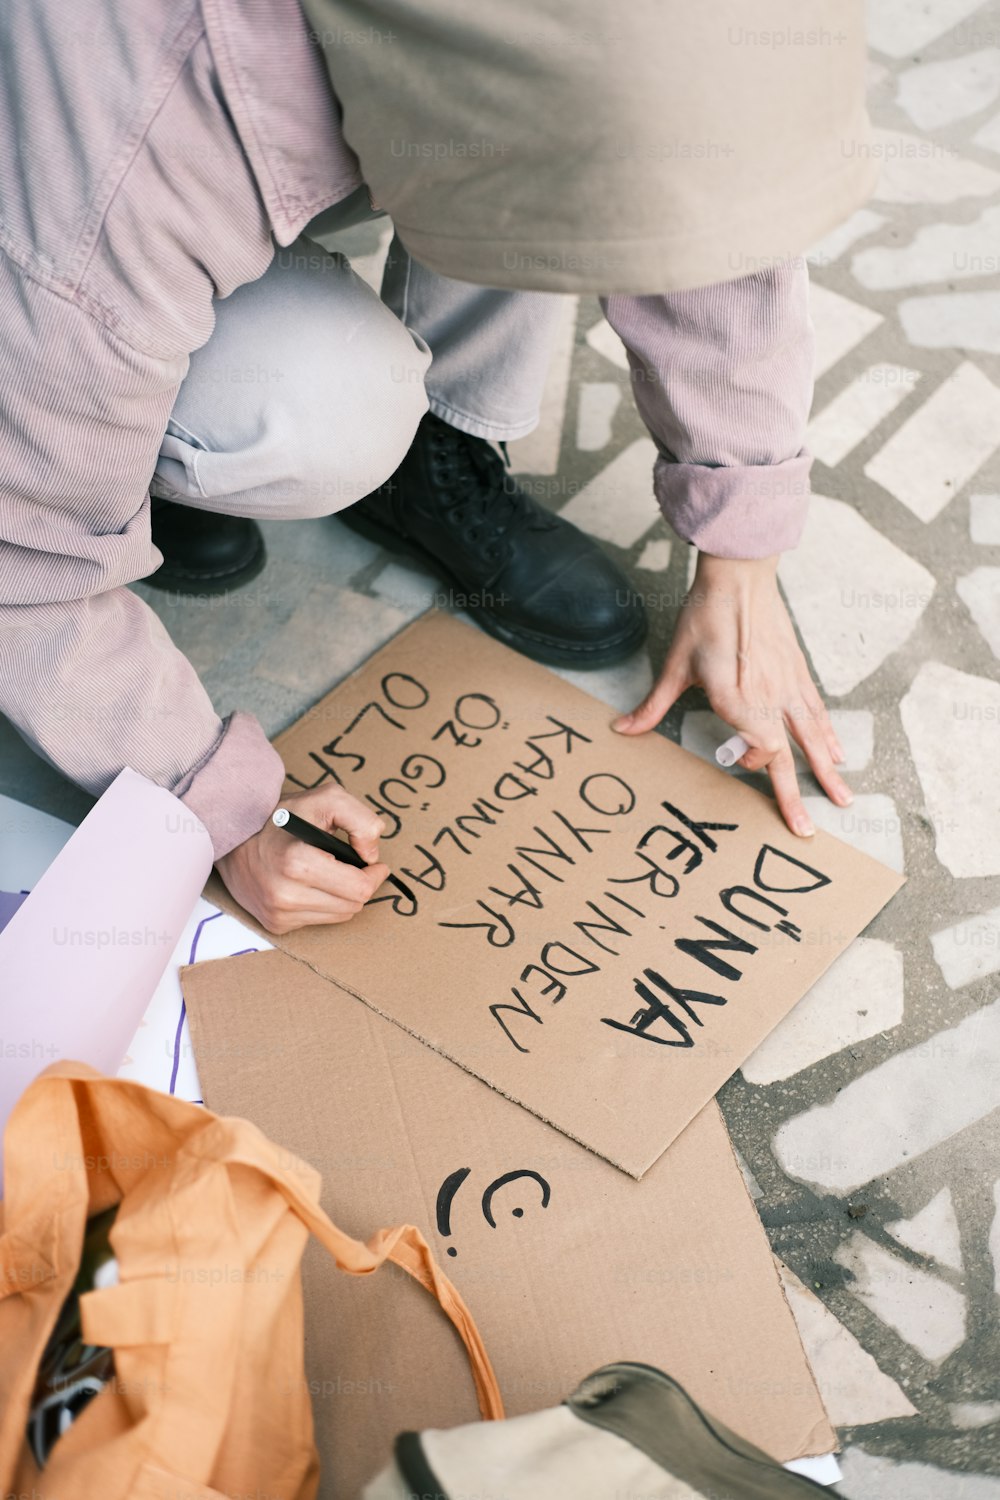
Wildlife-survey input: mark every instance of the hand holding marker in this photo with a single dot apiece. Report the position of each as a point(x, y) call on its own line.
point(308, 833)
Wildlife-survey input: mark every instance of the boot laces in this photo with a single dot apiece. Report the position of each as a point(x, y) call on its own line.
point(479, 492)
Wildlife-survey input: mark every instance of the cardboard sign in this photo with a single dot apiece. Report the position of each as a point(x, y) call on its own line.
point(601, 928)
point(565, 1262)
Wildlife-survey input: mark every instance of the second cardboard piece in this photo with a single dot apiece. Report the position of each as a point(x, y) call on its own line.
point(602, 928)
point(565, 1263)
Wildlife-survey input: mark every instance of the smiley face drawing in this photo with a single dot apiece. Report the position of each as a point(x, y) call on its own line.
point(452, 1183)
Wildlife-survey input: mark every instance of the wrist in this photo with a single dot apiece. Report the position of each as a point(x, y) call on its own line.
point(712, 569)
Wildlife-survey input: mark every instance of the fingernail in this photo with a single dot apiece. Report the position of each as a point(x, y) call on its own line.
point(845, 797)
point(622, 722)
point(803, 827)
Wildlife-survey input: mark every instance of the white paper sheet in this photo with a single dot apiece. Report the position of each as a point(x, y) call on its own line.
point(825, 1470)
point(160, 1054)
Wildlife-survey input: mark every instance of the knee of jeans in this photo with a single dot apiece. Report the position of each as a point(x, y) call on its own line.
point(364, 439)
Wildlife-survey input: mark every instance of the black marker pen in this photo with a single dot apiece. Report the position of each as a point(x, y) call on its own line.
point(320, 839)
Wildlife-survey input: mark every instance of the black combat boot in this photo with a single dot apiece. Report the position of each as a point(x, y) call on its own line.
point(529, 578)
point(203, 552)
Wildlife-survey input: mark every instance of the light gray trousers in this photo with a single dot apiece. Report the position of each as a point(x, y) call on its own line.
point(308, 393)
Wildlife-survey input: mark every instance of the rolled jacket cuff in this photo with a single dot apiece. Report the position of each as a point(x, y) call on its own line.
point(746, 511)
point(236, 786)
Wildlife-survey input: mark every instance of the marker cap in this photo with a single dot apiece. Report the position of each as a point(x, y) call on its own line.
point(733, 750)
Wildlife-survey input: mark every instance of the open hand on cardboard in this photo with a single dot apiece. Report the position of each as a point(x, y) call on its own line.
point(734, 639)
point(287, 884)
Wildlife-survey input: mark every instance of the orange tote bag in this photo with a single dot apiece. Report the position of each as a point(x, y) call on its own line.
point(208, 1396)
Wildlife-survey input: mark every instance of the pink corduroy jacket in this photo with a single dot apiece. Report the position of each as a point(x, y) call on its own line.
point(150, 156)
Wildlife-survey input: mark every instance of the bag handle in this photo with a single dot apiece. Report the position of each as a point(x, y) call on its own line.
point(232, 1141)
point(406, 1247)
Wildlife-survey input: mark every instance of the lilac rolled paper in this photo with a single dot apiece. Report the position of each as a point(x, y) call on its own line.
point(81, 957)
